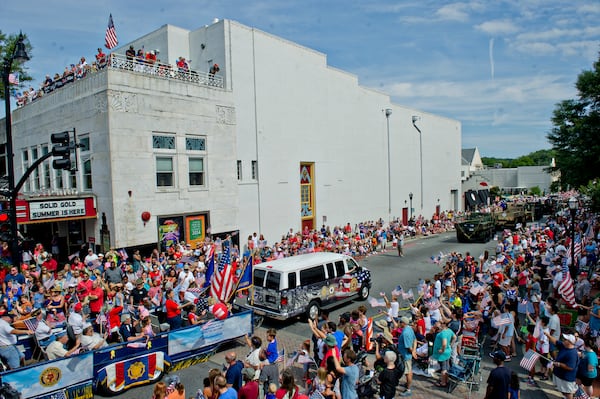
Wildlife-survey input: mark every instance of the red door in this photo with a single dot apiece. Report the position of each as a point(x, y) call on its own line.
point(405, 216)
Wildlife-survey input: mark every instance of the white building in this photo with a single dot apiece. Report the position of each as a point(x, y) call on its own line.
point(282, 141)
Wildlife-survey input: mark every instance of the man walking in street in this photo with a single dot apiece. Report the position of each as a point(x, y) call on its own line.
point(499, 379)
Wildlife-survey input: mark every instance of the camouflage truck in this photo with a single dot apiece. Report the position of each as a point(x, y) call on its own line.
point(475, 227)
point(514, 214)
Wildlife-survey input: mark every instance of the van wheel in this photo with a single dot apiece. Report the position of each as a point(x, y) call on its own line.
point(312, 312)
point(364, 292)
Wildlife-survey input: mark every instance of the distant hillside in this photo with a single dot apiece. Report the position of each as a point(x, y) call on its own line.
point(537, 158)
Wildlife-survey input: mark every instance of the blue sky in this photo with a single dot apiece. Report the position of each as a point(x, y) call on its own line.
point(497, 66)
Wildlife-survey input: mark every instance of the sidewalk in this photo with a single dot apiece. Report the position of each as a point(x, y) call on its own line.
point(422, 387)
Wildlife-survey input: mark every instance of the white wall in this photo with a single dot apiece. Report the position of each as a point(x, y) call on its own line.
point(309, 112)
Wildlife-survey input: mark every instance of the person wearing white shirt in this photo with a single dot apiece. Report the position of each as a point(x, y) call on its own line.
point(91, 340)
point(90, 258)
point(185, 278)
point(76, 319)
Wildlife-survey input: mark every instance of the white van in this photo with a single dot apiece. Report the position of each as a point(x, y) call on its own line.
point(303, 284)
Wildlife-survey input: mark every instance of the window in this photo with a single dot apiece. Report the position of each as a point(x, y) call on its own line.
point(72, 179)
point(351, 264)
point(312, 275)
point(259, 278)
point(46, 168)
point(36, 173)
point(164, 171)
point(58, 178)
point(87, 174)
point(339, 268)
point(25, 157)
point(84, 144)
point(254, 170)
point(3, 160)
point(330, 273)
point(195, 144)
point(291, 280)
point(239, 170)
point(196, 166)
point(273, 280)
point(163, 142)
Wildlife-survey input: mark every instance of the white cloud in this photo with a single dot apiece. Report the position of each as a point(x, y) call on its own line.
point(453, 12)
point(535, 48)
point(497, 27)
point(589, 8)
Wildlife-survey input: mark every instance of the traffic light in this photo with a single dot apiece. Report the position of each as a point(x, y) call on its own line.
point(62, 149)
point(5, 230)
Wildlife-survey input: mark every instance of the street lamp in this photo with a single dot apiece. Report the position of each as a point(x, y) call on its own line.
point(414, 120)
point(388, 112)
point(573, 205)
point(410, 196)
point(18, 55)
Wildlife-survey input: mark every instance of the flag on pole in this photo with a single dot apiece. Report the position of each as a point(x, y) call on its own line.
point(374, 302)
point(369, 334)
point(245, 280)
point(397, 291)
point(565, 288)
point(501, 320)
point(31, 323)
point(210, 265)
point(408, 295)
point(529, 359)
point(13, 79)
point(221, 285)
point(110, 39)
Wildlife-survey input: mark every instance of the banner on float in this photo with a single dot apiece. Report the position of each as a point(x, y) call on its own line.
point(137, 371)
point(211, 333)
point(37, 381)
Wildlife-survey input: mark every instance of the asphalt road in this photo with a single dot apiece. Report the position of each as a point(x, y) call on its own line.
point(388, 271)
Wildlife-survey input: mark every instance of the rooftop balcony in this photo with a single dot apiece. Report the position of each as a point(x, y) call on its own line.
point(120, 62)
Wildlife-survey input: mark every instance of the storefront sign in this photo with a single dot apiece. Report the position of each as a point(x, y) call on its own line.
point(56, 209)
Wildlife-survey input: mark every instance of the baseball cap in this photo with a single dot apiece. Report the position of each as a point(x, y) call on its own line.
point(405, 320)
point(570, 337)
point(330, 340)
point(77, 307)
point(248, 372)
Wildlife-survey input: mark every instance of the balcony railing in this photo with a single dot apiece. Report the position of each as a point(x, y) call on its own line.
point(165, 71)
point(118, 61)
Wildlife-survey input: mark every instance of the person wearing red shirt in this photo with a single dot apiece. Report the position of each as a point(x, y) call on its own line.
point(84, 286)
point(96, 299)
point(250, 388)
point(173, 310)
point(50, 264)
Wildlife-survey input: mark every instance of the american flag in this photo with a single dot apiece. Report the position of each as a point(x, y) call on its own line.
point(433, 304)
point(13, 79)
point(31, 323)
point(210, 265)
point(501, 320)
point(110, 39)
point(408, 295)
point(565, 289)
point(529, 359)
point(222, 281)
point(577, 250)
point(280, 357)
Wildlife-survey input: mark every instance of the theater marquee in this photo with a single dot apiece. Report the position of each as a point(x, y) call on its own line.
point(55, 210)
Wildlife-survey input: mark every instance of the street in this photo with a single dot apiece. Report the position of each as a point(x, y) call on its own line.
point(388, 271)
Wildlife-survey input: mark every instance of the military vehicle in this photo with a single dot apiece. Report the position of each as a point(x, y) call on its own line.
point(515, 213)
point(475, 227)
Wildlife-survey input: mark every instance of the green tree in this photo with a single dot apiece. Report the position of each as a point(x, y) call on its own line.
point(7, 46)
point(535, 190)
point(574, 137)
point(592, 190)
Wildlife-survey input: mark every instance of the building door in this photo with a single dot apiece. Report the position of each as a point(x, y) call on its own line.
point(307, 195)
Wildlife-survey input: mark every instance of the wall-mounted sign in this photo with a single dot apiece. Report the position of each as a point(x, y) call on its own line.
point(55, 210)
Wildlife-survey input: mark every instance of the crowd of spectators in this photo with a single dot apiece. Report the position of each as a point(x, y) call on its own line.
point(141, 61)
